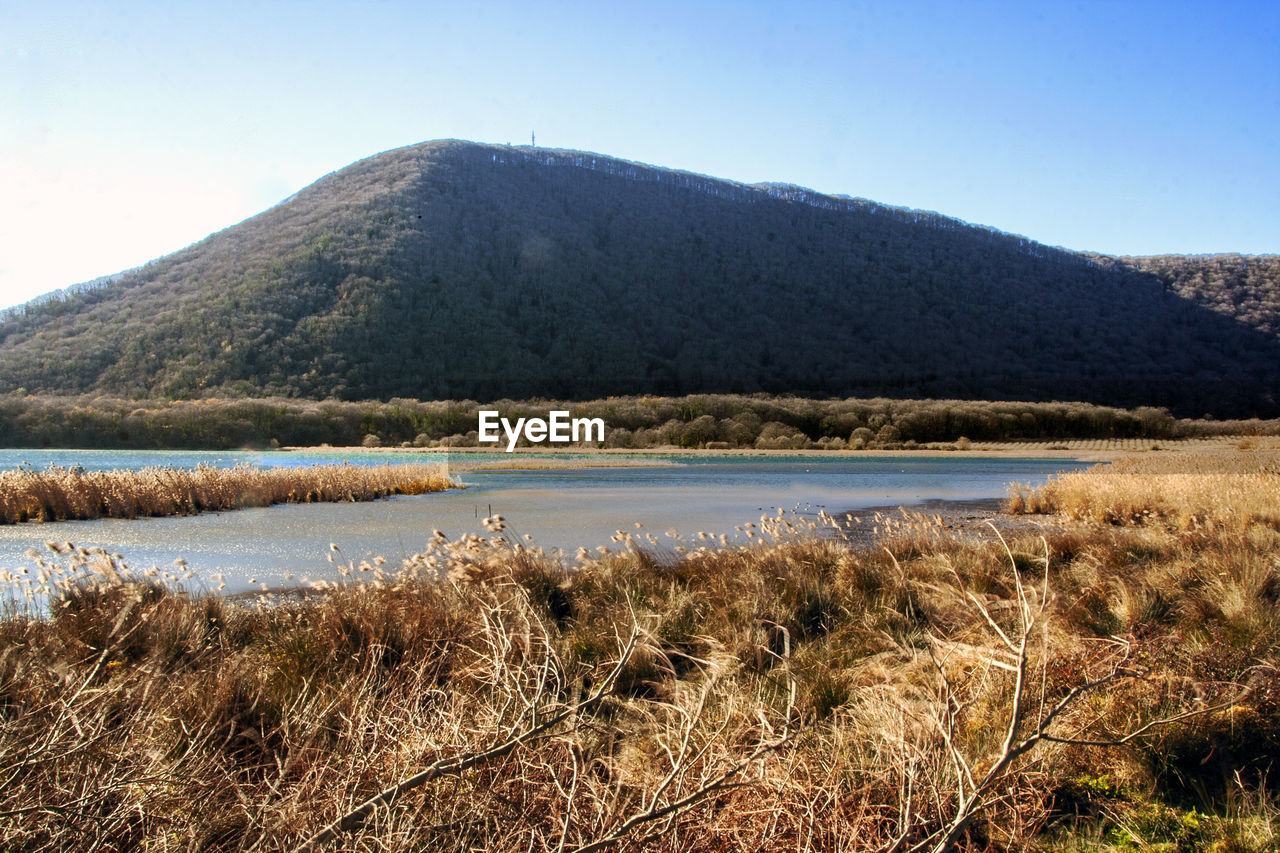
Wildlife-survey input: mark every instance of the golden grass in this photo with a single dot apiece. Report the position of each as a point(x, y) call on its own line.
point(1225, 489)
point(794, 693)
point(59, 494)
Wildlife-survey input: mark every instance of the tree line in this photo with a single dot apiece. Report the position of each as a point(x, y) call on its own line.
point(694, 421)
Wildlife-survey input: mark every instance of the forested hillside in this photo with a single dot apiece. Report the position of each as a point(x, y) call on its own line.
point(1237, 286)
point(458, 270)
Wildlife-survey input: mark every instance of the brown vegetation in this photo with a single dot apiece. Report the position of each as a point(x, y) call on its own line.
point(700, 420)
point(1234, 490)
point(1106, 688)
point(61, 494)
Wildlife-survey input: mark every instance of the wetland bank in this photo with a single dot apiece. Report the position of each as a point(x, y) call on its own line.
point(564, 502)
point(638, 650)
point(1107, 685)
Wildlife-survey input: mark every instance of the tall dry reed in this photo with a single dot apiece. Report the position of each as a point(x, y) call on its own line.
point(670, 694)
point(59, 494)
point(1185, 490)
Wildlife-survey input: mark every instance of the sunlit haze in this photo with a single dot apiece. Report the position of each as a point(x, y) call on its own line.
point(131, 130)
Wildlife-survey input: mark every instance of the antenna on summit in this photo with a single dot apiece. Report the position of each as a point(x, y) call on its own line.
point(533, 139)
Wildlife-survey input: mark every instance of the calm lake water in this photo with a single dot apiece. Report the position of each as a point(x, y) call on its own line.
point(564, 508)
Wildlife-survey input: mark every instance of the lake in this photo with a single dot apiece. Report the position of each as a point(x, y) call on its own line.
point(559, 508)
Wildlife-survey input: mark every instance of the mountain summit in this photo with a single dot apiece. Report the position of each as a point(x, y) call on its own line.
point(452, 269)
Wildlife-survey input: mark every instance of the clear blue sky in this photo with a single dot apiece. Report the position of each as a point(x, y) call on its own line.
point(129, 130)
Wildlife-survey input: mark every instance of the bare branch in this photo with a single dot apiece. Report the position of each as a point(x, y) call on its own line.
point(458, 764)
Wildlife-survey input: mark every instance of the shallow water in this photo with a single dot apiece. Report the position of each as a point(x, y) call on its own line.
point(562, 508)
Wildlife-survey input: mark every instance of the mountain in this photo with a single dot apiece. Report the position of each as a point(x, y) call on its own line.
point(458, 270)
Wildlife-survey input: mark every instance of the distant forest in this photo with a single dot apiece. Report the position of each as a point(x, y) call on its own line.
point(452, 270)
point(727, 421)
point(1243, 288)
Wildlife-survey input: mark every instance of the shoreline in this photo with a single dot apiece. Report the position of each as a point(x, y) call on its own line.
point(970, 518)
point(1085, 450)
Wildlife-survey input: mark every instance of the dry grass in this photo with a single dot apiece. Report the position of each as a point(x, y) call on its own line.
point(794, 693)
point(60, 494)
point(1225, 489)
